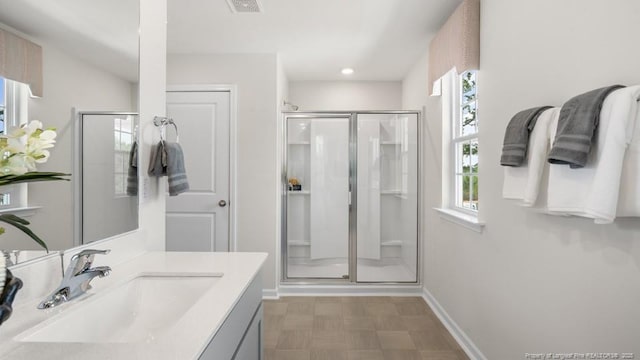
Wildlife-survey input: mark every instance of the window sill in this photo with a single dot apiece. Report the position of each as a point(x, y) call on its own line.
point(21, 211)
point(457, 217)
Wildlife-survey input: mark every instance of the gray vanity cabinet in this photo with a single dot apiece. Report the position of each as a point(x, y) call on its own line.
point(240, 337)
point(251, 346)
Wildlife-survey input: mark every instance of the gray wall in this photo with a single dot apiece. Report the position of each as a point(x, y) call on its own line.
point(531, 282)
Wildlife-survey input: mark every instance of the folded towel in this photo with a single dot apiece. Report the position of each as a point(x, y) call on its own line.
point(176, 172)
point(132, 171)
point(594, 191)
point(524, 182)
point(516, 136)
point(577, 124)
point(158, 167)
point(629, 199)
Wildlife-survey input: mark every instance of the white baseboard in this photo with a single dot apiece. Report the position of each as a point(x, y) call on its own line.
point(270, 294)
point(350, 290)
point(458, 334)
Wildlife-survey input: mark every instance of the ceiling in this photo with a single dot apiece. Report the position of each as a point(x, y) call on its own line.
point(380, 39)
point(102, 32)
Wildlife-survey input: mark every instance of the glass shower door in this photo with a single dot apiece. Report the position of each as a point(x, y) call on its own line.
point(317, 197)
point(387, 197)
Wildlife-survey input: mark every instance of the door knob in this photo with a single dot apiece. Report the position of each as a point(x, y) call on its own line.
point(222, 203)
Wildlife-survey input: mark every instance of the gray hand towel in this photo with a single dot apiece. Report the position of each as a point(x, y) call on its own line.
point(177, 175)
point(516, 137)
point(576, 126)
point(132, 173)
point(158, 167)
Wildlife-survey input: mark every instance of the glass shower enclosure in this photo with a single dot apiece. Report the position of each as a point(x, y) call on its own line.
point(350, 197)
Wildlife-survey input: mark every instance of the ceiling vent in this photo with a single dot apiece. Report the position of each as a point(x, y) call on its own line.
point(245, 6)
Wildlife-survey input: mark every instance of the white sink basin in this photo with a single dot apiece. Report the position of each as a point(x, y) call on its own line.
point(136, 311)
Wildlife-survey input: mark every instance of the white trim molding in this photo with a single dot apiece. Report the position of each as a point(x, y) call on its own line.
point(270, 294)
point(26, 211)
point(458, 334)
point(350, 290)
point(457, 217)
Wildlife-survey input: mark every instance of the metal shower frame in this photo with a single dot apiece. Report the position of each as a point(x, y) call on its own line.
point(353, 207)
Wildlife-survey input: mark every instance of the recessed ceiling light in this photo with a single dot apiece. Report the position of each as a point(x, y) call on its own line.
point(347, 71)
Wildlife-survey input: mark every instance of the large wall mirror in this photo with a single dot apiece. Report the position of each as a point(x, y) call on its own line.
point(107, 180)
point(90, 65)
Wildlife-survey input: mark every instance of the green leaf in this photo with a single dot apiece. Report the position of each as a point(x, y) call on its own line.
point(20, 224)
point(15, 218)
point(32, 177)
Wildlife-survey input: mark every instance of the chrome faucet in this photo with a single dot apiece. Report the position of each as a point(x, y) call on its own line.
point(77, 278)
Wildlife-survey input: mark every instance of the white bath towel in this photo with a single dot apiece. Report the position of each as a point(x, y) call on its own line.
point(593, 191)
point(523, 183)
point(629, 200)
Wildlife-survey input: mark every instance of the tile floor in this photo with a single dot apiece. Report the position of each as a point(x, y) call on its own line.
point(355, 328)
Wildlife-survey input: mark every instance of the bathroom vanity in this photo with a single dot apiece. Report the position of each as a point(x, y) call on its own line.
point(159, 305)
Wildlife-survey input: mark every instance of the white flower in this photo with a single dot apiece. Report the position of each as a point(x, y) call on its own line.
point(25, 147)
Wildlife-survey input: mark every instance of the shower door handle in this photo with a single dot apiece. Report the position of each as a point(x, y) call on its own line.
point(222, 203)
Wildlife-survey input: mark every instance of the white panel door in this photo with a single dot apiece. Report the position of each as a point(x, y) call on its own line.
point(198, 220)
point(329, 188)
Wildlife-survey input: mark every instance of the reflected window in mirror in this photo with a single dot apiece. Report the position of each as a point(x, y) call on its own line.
point(13, 113)
point(109, 174)
point(2, 104)
point(123, 131)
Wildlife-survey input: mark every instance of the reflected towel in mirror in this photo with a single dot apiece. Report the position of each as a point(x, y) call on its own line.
point(132, 171)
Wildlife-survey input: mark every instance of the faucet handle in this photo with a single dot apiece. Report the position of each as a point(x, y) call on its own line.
point(83, 260)
point(89, 252)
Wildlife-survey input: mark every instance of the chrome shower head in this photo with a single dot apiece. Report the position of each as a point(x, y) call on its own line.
point(290, 106)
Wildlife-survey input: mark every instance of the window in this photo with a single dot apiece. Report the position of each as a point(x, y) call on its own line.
point(460, 150)
point(13, 113)
point(2, 105)
point(123, 141)
point(464, 143)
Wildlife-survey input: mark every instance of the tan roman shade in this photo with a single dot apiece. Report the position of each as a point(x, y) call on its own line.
point(21, 60)
point(457, 43)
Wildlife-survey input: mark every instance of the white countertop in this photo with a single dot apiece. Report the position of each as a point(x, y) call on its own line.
point(185, 340)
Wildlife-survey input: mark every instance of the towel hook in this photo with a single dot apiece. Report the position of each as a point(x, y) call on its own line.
point(162, 122)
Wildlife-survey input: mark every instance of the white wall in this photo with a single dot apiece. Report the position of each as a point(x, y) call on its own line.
point(346, 95)
point(68, 83)
point(256, 77)
point(532, 283)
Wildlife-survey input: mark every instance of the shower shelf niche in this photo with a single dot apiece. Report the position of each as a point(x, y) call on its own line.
point(299, 192)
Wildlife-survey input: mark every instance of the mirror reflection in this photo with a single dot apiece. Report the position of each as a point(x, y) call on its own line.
point(109, 172)
point(88, 62)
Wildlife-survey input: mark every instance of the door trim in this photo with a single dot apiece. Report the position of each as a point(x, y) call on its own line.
point(232, 89)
